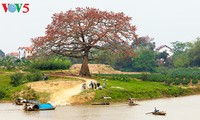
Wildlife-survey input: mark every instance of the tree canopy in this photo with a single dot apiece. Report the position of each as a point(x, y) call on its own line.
point(2, 54)
point(75, 33)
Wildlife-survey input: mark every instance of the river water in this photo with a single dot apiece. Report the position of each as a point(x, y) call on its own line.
point(182, 108)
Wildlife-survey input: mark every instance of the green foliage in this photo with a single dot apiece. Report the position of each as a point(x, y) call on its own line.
point(192, 73)
point(52, 64)
point(177, 81)
point(167, 76)
point(2, 94)
point(181, 60)
point(168, 80)
point(19, 78)
point(144, 61)
point(179, 47)
point(124, 64)
point(16, 79)
point(2, 54)
point(8, 62)
point(36, 76)
point(121, 78)
point(194, 53)
point(144, 76)
point(186, 81)
point(195, 81)
point(121, 91)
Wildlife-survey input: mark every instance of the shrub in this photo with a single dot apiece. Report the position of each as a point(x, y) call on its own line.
point(144, 77)
point(194, 81)
point(36, 76)
point(53, 64)
point(168, 80)
point(16, 79)
point(2, 94)
point(177, 81)
point(19, 78)
point(186, 81)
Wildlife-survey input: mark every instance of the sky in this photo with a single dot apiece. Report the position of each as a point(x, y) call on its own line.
point(164, 20)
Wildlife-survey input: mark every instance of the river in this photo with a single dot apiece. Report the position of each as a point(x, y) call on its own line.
point(181, 108)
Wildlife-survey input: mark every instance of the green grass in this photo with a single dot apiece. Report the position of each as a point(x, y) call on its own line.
point(120, 91)
point(5, 80)
point(6, 87)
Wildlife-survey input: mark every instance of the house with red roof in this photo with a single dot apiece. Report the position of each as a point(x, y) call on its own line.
point(14, 54)
point(25, 52)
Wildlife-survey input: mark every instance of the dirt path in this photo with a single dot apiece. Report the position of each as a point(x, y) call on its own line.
point(61, 91)
point(63, 97)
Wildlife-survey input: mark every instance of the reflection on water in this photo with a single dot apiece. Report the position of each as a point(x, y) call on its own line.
point(183, 108)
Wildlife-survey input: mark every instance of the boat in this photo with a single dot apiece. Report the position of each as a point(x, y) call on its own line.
point(19, 101)
point(105, 101)
point(101, 103)
point(159, 113)
point(33, 105)
point(132, 102)
point(46, 106)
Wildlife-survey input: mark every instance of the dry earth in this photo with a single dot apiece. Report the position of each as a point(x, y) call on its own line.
point(62, 92)
point(99, 69)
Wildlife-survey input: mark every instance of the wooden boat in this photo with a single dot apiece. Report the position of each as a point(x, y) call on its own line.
point(33, 105)
point(105, 101)
point(159, 113)
point(132, 102)
point(19, 101)
point(101, 103)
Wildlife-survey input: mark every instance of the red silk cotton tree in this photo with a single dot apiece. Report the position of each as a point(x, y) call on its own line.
point(75, 33)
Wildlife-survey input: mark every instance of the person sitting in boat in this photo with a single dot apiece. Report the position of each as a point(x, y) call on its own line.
point(130, 100)
point(155, 110)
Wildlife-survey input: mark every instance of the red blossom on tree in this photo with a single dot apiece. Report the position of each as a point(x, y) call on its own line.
point(75, 33)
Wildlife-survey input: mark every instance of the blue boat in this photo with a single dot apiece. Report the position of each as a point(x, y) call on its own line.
point(46, 106)
point(33, 105)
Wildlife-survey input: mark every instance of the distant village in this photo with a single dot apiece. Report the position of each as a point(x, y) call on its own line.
point(22, 52)
point(25, 52)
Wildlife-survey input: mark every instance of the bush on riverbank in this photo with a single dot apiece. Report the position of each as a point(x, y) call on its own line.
point(21, 78)
point(2, 94)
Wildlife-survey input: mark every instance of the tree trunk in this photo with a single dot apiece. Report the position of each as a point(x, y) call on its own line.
point(84, 68)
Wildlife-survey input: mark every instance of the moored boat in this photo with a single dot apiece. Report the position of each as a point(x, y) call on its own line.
point(101, 103)
point(19, 101)
point(159, 113)
point(46, 106)
point(132, 102)
point(33, 105)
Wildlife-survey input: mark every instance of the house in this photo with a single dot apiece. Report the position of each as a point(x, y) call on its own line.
point(166, 48)
point(25, 52)
point(14, 54)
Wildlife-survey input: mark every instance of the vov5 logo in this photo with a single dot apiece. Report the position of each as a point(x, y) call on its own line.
point(16, 7)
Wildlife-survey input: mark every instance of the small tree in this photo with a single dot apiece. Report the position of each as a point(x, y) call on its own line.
point(75, 33)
